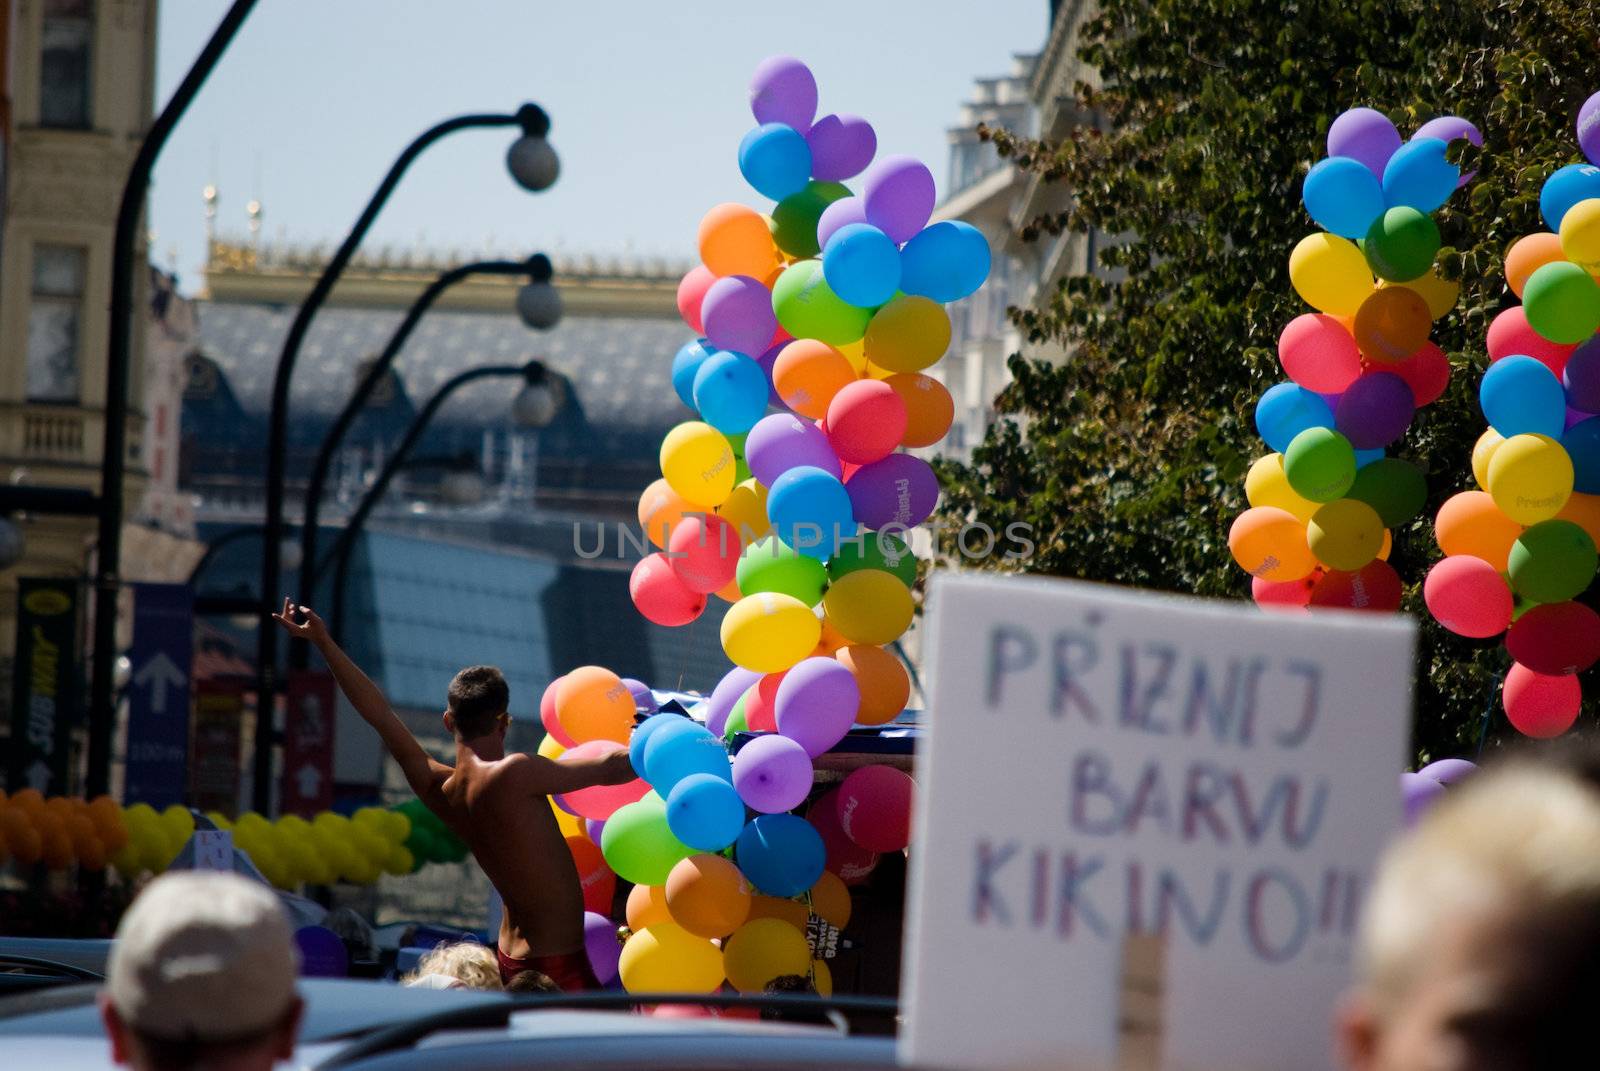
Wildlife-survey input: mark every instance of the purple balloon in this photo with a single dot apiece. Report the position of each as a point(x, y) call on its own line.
point(783, 91)
point(772, 774)
point(841, 147)
point(1418, 793)
point(643, 699)
point(601, 945)
point(594, 827)
point(1448, 771)
point(766, 361)
point(842, 213)
point(899, 195)
point(817, 703)
point(783, 441)
point(1589, 129)
point(1448, 128)
point(1581, 376)
point(898, 490)
point(725, 696)
point(737, 313)
point(1375, 410)
point(1365, 135)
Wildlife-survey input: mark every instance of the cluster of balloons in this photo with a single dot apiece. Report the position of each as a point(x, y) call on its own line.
point(62, 832)
point(327, 848)
point(1324, 502)
point(1520, 549)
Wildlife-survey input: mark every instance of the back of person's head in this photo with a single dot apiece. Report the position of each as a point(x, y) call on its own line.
point(201, 976)
point(1480, 943)
point(532, 982)
point(792, 985)
point(469, 964)
point(478, 700)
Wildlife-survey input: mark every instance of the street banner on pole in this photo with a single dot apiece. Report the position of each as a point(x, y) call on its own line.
point(1104, 766)
point(308, 744)
point(45, 680)
point(158, 694)
point(214, 766)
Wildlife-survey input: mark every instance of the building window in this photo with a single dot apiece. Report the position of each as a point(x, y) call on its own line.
point(53, 323)
point(66, 36)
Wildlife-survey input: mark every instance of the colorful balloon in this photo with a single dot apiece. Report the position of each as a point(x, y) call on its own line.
point(881, 680)
point(783, 441)
point(1419, 176)
point(707, 896)
point(1364, 134)
point(1401, 244)
point(1330, 274)
point(900, 491)
point(807, 307)
point(861, 265)
point(811, 511)
point(1318, 353)
point(763, 949)
point(874, 805)
point(666, 958)
point(1539, 705)
point(1320, 465)
point(1564, 188)
point(865, 422)
point(869, 607)
point(734, 240)
point(796, 218)
point(841, 147)
point(1392, 324)
point(775, 158)
point(1374, 588)
point(768, 632)
point(838, 215)
point(698, 463)
point(1468, 596)
point(738, 316)
point(807, 374)
point(772, 774)
point(816, 704)
point(704, 552)
point(783, 90)
point(1375, 410)
point(908, 334)
point(1562, 302)
point(638, 844)
point(930, 409)
point(899, 196)
point(1270, 543)
point(1287, 409)
point(1527, 255)
point(592, 703)
point(1530, 477)
point(1470, 523)
point(1345, 534)
point(946, 261)
point(691, 292)
point(1343, 196)
point(1557, 639)
point(781, 854)
point(704, 811)
point(1552, 561)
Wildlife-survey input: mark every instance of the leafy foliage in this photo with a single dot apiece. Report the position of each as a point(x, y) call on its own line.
point(1128, 456)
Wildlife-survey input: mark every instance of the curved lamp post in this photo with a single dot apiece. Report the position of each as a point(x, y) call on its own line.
point(533, 164)
point(535, 406)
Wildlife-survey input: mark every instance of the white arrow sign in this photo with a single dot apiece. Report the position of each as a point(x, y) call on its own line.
point(159, 674)
point(308, 780)
point(39, 775)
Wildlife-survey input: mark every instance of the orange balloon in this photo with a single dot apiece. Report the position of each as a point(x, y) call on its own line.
point(58, 853)
point(708, 896)
point(21, 836)
point(808, 373)
point(1392, 324)
point(107, 819)
point(592, 703)
point(1584, 511)
point(598, 880)
point(29, 799)
point(829, 642)
point(660, 510)
point(1470, 523)
point(884, 683)
point(929, 408)
point(736, 240)
point(830, 899)
point(91, 856)
point(729, 592)
point(771, 907)
point(647, 905)
point(1438, 293)
point(1271, 543)
point(1528, 254)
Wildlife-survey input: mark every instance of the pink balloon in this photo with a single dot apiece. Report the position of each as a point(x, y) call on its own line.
point(600, 801)
point(661, 595)
point(1468, 596)
point(1509, 334)
point(772, 774)
point(866, 421)
point(1319, 354)
point(704, 552)
point(760, 706)
point(691, 292)
point(1285, 595)
point(1375, 588)
point(1426, 372)
point(547, 715)
point(817, 703)
point(875, 808)
point(737, 312)
point(845, 857)
point(841, 147)
point(1538, 705)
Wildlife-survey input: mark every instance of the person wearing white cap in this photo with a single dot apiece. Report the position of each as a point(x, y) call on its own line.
point(202, 977)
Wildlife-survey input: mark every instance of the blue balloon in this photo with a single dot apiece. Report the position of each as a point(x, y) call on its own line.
point(705, 812)
point(781, 854)
point(775, 159)
point(1418, 175)
point(1367, 457)
point(861, 265)
point(644, 731)
point(1343, 196)
point(1582, 443)
point(730, 390)
point(1521, 396)
point(685, 364)
point(1286, 410)
point(1565, 188)
point(810, 511)
point(680, 750)
point(944, 261)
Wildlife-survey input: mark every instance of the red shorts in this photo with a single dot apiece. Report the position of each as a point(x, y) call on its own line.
point(570, 971)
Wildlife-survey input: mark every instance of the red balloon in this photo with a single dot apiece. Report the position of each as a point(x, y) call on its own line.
point(691, 292)
point(865, 422)
point(599, 801)
point(1319, 354)
point(1510, 333)
point(875, 808)
point(598, 881)
point(1539, 705)
point(1374, 587)
point(760, 705)
point(1284, 594)
point(1468, 596)
point(1426, 372)
point(1556, 639)
point(660, 596)
point(704, 552)
point(547, 715)
point(846, 858)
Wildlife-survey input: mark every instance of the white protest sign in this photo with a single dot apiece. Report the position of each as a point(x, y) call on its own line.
point(213, 849)
point(1100, 763)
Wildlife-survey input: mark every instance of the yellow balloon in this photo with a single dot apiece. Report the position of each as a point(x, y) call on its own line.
point(1267, 485)
point(1530, 478)
point(1482, 452)
point(549, 748)
point(1437, 293)
point(698, 463)
point(761, 950)
point(869, 607)
point(1345, 534)
point(769, 632)
point(127, 859)
point(1580, 234)
point(399, 861)
point(821, 978)
point(666, 958)
point(746, 509)
point(855, 352)
point(569, 824)
point(1330, 273)
point(908, 334)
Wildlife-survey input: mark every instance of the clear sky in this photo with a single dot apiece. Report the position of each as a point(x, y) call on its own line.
point(648, 101)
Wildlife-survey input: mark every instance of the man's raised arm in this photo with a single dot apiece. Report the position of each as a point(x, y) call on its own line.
point(547, 777)
point(422, 772)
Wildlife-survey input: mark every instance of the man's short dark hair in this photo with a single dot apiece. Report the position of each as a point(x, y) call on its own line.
point(478, 696)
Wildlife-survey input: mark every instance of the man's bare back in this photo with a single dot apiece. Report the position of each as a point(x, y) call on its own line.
point(497, 803)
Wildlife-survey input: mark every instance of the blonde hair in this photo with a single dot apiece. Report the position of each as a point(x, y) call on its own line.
point(475, 966)
point(1522, 834)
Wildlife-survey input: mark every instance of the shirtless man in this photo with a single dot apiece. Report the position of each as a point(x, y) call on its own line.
point(497, 803)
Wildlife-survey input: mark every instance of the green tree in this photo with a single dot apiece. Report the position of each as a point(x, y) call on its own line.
point(1128, 457)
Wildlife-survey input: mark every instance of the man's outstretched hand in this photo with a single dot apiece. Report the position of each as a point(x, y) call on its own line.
point(312, 629)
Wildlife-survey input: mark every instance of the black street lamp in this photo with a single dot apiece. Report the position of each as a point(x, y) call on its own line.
point(532, 162)
point(538, 270)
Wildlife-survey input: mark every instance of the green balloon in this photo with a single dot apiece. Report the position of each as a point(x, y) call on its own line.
point(638, 845)
point(1553, 561)
point(1562, 302)
point(877, 550)
point(1396, 489)
point(771, 565)
point(808, 308)
point(738, 723)
point(741, 471)
point(1401, 244)
point(794, 220)
point(1320, 464)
